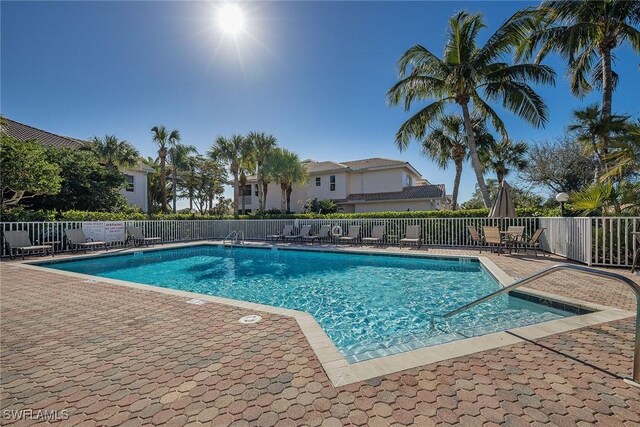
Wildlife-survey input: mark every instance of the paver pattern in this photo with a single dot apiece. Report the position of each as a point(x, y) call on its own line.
point(113, 355)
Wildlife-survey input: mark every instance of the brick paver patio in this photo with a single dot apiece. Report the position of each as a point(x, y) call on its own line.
point(114, 355)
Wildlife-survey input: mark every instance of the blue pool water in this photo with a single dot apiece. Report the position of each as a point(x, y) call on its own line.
point(369, 305)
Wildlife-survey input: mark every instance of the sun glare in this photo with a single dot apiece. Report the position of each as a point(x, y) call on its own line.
point(231, 19)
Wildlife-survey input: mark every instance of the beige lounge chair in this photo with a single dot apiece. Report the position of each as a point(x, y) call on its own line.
point(492, 236)
point(304, 231)
point(77, 240)
point(411, 236)
point(377, 235)
point(533, 243)
point(285, 232)
point(322, 234)
point(136, 236)
point(18, 242)
point(476, 238)
point(352, 236)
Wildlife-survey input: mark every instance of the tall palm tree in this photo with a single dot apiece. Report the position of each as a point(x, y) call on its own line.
point(468, 75)
point(164, 139)
point(262, 144)
point(247, 166)
point(503, 156)
point(585, 34)
point(447, 142)
point(591, 129)
point(178, 155)
point(284, 167)
point(154, 192)
point(113, 152)
point(230, 151)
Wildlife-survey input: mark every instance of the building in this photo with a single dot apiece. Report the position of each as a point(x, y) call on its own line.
point(368, 185)
point(136, 189)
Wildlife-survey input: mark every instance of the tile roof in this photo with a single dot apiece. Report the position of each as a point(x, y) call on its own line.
point(375, 162)
point(416, 192)
point(316, 167)
point(24, 132)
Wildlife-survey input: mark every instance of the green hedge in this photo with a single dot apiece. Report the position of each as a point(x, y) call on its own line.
point(25, 215)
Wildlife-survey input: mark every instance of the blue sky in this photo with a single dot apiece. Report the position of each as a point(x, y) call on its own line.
point(314, 74)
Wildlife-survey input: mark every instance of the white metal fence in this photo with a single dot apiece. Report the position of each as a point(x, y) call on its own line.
point(595, 241)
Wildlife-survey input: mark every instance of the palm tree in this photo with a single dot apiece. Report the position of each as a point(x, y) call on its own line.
point(585, 34)
point(164, 139)
point(447, 142)
point(178, 158)
point(262, 144)
point(284, 167)
point(230, 151)
point(247, 166)
point(154, 192)
point(624, 158)
point(468, 75)
point(591, 128)
point(503, 156)
point(113, 152)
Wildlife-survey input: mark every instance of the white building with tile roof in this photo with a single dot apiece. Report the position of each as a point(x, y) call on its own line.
point(367, 185)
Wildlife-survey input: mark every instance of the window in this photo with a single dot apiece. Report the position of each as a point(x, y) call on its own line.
point(129, 183)
point(257, 193)
point(317, 181)
point(332, 183)
point(408, 181)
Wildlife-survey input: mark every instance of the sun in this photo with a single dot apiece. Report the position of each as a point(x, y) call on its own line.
point(231, 19)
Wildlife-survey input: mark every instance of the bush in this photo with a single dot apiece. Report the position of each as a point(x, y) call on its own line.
point(20, 214)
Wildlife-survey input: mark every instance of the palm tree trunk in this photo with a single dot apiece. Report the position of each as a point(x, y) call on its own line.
point(283, 198)
point(456, 185)
point(190, 200)
point(289, 190)
point(163, 184)
point(260, 193)
point(473, 151)
point(499, 176)
point(235, 193)
point(607, 92)
point(173, 188)
point(265, 189)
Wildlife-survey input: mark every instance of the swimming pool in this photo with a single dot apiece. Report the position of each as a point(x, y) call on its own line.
point(369, 305)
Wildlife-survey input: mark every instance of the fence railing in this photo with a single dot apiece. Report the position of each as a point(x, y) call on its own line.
point(601, 241)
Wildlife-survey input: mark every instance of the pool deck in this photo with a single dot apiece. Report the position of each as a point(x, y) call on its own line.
point(102, 354)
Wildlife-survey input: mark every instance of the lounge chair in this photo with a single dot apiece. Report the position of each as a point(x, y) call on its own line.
point(411, 236)
point(322, 234)
point(285, 232)
point(352, 236)
point(476, 238)
point(304, 231)
point(492, 236)
point(377, 235)
point(18, 242)
point(137, 238)
point(77, 240)
point(533, 243)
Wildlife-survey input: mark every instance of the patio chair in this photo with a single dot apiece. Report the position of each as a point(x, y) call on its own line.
point(77, 240)
point(285, 232)
point(377, 235)
point(476, 238)
point(18, 242)
point(533, 243)
point(492, 236)
point(304, 231)
point(514, 236)
point(322, 234)
point(136, 236)
point(411, 236)
point(352, 236)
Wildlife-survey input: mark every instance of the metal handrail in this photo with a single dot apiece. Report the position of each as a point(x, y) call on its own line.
point(233, 237)
point(635, 287)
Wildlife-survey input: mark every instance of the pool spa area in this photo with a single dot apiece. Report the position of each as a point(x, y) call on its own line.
point(369, 305)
